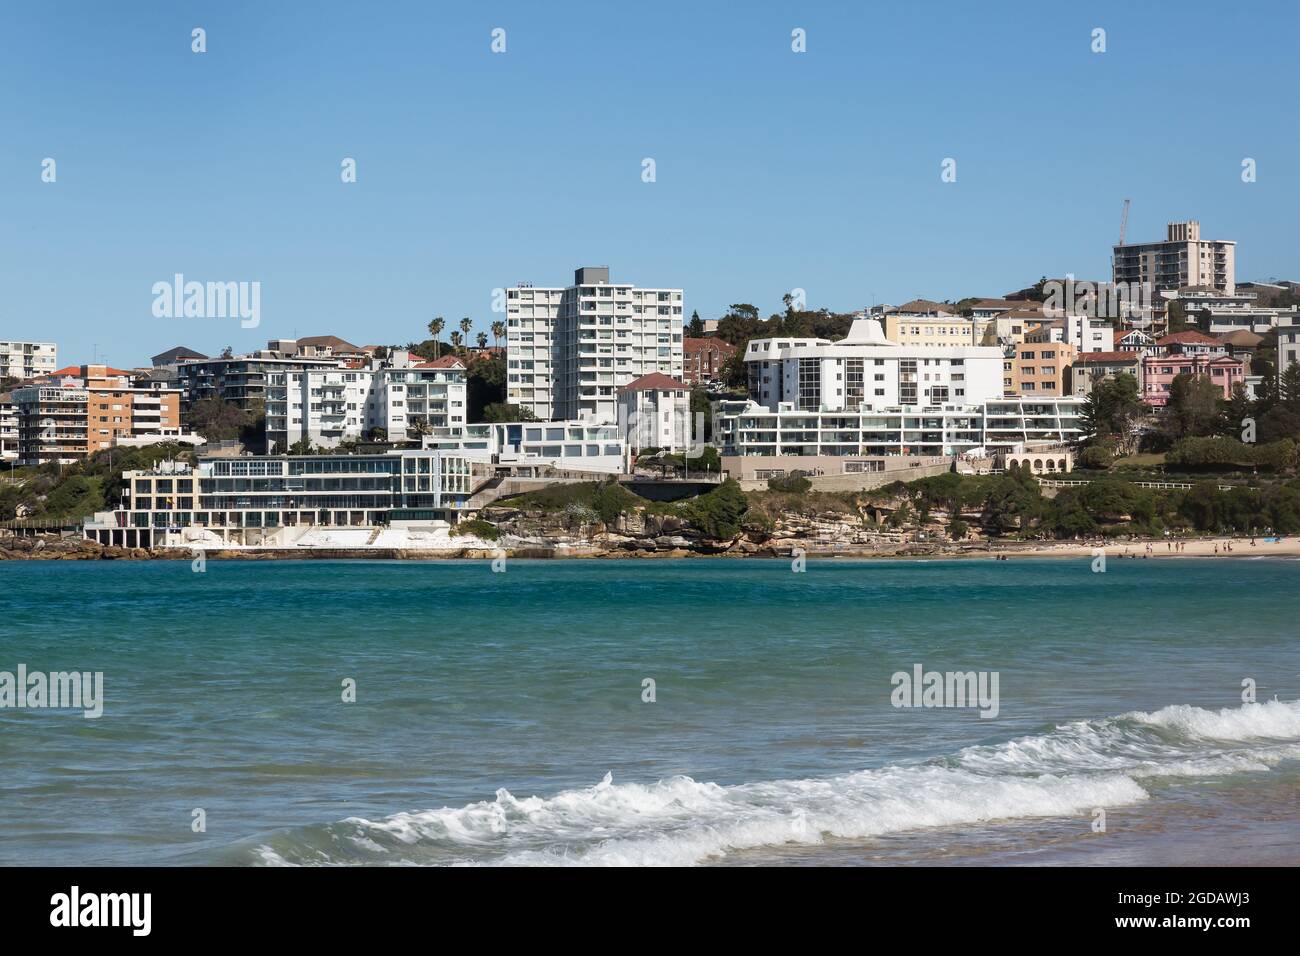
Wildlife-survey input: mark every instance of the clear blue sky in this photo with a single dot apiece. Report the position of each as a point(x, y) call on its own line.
point(775, 170)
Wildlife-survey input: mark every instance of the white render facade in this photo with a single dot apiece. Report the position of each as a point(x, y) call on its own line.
point(570, 446)
point(747, 428)
point(27, 359)
point(252, 500)
point(1085, 333)
point(867, 369)
point(8, 431)
point(328, 406)
point(1231, 313)
point(866, 396)
point(568, 350)
point(656, 416)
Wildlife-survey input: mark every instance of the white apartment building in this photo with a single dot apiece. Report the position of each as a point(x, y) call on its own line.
point(8, 429)
point(1182, 260)
point(867, 396)
point(1220, 314)
point(568, 446)
point(568, 350)
point(1288, 348)
point(1085, 333)
point(329, 405)
point(748, 429)
point(26, 360)
point(654, 412)
point(866, 368)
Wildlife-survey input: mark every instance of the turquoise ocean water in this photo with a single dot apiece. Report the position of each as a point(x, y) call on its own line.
point(499, 717)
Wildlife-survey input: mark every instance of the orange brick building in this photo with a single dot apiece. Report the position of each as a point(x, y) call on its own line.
point(704, 358)
point(79, 410)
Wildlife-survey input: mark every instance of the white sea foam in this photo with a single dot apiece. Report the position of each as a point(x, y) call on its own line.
point(1273, 719)
point(678, 821)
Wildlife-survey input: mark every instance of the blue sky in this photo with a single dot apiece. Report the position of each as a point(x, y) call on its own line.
point(775, 170)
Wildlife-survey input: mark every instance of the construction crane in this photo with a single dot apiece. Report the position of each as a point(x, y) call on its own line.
point(1123, 222)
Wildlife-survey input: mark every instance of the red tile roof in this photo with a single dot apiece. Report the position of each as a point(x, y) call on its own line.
point(655, 380)
point(1190, 337)
point(446, 361)
point(74, 371)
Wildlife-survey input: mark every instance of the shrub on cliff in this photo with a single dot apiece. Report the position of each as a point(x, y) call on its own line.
point(795, 483)
point(477, 527)
point(719, 512)
point(611, 500)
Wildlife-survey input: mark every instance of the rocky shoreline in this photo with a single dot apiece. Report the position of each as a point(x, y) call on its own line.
point(530, 535)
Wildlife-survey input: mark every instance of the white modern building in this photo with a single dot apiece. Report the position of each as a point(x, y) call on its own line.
point(748, 428)
point(329, 405)
point(8, 429)
point(1217, 314)
point(24, 360)
point(569, 349)
point(1085, 333)
point(866, 396)
point(566, 446)
point(283, 500)
point(866, 368)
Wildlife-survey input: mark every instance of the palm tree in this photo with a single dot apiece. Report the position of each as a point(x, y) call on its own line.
point(455, 340)
point(435, 330)
point(465, 325)
point(498, 332)
point(482, 340)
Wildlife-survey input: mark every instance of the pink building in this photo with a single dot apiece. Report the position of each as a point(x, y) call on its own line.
point(1159, 372)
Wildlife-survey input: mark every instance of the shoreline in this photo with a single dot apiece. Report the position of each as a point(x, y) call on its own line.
point(42, 549)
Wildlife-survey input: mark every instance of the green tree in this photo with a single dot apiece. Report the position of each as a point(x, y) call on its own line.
point(707, 461)
point(501, 412)
point(1175, 317)
point(1113, 410)
point(1235, 411)
point(215, 419)
point(1192, 409)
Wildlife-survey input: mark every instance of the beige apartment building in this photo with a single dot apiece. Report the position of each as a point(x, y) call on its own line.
point(1039, 369)
point(926, 331)
point(1183, 260)
point(24, 360)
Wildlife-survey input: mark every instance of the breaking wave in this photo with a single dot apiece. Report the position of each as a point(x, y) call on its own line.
point(679, 821)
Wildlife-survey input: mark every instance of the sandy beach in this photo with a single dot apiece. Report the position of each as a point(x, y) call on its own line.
point(1217, 547)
